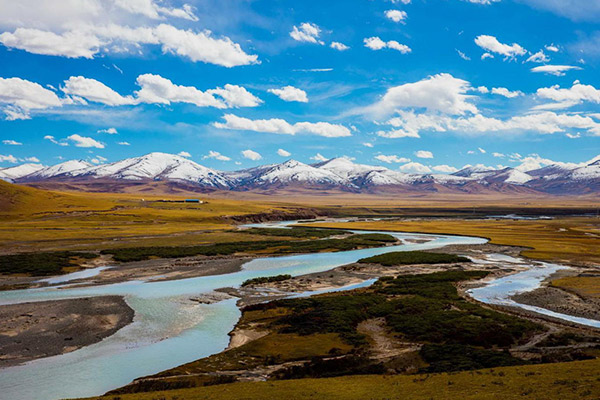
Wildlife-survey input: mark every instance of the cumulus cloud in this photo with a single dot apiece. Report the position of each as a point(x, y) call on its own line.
point(8, 158)
point(444, 168)
point(423, 154)
point(290, 93)
point(283, 153)
point(492, 45)
point(251, 155)
point(95, 91)
point(319, 157)
point(11, 142)
point(556, 70)
point(375, 43)
point(415, 168)
point(442, 92)
point(184, 154)
point(307, 32)
point(18, 97)
point(110, 131)
point(216, 155)
point(576, 94)
point(507, 93)
point(155, 89)
point(368, 144)
point(84, 29)
point(391, 159)
point(539, 57)
point(52, 139)
point(124, 144)
point(338, 46)
point(280, 126)
point(463, 55)
point(498, 155)
point(396, 15)
point(83, 141)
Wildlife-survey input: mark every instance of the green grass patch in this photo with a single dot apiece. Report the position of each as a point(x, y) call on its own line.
point(266, 279)
point(274, 246)
point(42, 264)
point(413, 257)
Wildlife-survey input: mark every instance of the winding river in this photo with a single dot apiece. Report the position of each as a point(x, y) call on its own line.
point(169, 330)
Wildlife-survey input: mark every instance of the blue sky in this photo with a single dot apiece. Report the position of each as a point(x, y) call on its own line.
point(421, 85)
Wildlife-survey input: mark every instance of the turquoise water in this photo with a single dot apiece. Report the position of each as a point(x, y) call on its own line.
point(168, 330)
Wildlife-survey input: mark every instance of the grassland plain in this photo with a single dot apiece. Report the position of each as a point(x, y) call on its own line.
point(566, 239)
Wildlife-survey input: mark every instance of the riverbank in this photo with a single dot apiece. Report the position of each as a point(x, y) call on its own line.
point(29, 331)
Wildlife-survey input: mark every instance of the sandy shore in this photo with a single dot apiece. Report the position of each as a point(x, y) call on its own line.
point(34, 330)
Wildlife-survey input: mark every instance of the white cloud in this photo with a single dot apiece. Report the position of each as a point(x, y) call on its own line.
point(283, 153)
point(18, 97)
point(83, 141)
point(444, 168)
point(8, 158)
point(484, 2)
point(424, 154)
point(251, 155)
point(482, 89)
point(367, 144)
point(95, 91)
point(552, 48)
point(539, 57)
point(156, 89)
point(338, 46)
point(290, 93)
point(507, 93)
point(124, 144)
point(415, 168)
point(375, 43)
point(557, 70)
point(85, 28)
point(487, 55)
point(184, 154)
point(32, 159)
point(442, 92)
point(498, 155)
point(319, 157)
point(280, 126)
point(11, 142)
point(463, 55)
point(482, 151)
point(396, 15)
point(576, 94)
point(110, 131)
point(391, 159)
point(491, 44)
point(216, 155)
point(307, 32)
point(573, 136)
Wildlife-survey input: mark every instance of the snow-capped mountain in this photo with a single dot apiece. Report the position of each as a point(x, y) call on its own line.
point(12, 174)
point(65, 168)
point(157, 166)
point(338, 173)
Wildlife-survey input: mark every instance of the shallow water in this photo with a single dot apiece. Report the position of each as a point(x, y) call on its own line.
point(168, 329)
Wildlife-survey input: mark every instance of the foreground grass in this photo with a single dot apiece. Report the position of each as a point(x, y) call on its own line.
point(570, 239)
point(574, 380)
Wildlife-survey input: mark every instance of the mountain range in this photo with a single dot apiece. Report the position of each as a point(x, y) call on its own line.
point(335, 174)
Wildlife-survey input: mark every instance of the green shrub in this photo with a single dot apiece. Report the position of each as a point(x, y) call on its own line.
point(41, 264)
point(267, 279)
point(413, 257)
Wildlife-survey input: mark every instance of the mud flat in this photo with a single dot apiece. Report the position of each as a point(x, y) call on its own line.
point(29, 331)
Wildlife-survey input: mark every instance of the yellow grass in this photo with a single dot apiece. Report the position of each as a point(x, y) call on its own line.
point(38, 219)
point(572, 239)
point(585, 286)
point(575, 380)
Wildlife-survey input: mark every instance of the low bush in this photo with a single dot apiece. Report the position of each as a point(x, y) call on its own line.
point(42, 264)
point(413, 257)
point(267, 279)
